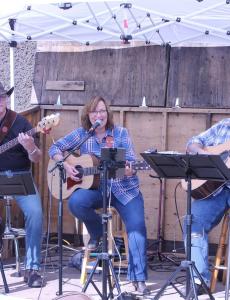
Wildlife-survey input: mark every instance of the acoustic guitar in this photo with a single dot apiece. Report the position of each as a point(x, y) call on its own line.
point(201, 189)
point(43, 126)
point(89, 173)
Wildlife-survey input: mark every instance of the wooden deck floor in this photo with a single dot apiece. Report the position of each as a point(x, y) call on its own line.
point(159, 272)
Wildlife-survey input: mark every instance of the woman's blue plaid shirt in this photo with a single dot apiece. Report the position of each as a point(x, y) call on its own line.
point(124, 189)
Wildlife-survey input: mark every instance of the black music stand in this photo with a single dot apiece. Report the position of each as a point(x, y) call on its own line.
point(14, 184)
point(187, 166)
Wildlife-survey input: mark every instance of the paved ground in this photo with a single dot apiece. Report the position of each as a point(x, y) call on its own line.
point(71, 287)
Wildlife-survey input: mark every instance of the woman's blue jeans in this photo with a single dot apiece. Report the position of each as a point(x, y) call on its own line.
point(82, 205)
point(206, 214)
point(32, 210)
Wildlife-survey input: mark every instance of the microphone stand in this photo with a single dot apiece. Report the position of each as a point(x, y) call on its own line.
point(62, 179)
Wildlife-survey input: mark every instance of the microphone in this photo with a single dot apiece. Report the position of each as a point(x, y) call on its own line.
point(94, 126)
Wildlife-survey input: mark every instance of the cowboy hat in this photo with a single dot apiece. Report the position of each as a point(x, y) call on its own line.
point(4, 92)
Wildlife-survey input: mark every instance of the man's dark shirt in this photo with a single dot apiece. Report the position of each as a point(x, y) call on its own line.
point(16, 158)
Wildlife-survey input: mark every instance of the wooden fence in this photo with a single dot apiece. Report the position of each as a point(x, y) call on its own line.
point(158, 128)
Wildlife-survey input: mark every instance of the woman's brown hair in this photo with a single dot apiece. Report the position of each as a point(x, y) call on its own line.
point(91, 106)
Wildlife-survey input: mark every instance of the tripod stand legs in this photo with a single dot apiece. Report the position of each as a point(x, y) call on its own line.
point(3, 276)
point(107, 273)
point(191, 291)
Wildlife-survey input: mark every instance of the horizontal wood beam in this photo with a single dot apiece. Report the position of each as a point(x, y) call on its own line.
point(65, 85)
point(225, 111)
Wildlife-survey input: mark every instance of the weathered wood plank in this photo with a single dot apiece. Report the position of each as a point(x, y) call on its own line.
point(65, 85)
point(123, 76)
point(199, 77)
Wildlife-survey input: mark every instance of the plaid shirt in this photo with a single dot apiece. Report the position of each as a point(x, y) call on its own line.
point(124, 189)
point(217, 134)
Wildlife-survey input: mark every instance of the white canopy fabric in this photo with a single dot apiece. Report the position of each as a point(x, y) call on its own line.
point(176, 22)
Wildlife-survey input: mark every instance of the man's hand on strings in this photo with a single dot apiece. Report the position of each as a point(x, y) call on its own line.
point(26, 141)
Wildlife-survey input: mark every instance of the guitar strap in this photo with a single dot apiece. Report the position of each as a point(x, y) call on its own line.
point(109, 141)
point(7, 123)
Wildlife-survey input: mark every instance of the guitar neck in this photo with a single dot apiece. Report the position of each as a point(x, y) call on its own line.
point(91, 171)
point(14, 142)
point(140, 165)
point(137, 165)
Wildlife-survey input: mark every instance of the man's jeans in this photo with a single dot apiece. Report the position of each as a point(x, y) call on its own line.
point(31, 207)
point(206, 214)
point(82, 205)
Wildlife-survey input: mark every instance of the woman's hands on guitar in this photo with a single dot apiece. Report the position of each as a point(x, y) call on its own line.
point(129, 171)
point(70, 169)
point(71, 172)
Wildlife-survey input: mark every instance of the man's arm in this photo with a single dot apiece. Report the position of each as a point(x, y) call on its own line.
point(196, 148)
point(28, 143)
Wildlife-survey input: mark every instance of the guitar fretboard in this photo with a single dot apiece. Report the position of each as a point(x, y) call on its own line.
point(90, 171)
point(140, 165)
point(14, 142)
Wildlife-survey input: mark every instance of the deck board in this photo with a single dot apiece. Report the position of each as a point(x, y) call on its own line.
point(71, 285)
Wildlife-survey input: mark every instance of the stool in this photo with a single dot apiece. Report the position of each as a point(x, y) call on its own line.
point(115, 229)
point(12, 233)
point(221, 254)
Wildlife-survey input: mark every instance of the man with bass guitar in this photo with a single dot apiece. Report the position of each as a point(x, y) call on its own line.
point(208, 211)
point(125, 194)
point(17, 151)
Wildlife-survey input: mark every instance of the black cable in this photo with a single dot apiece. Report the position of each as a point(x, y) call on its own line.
point(177, 211)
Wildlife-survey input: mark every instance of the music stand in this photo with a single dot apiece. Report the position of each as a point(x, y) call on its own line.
point(14, 184)
point(187, 166)
point(113, 166)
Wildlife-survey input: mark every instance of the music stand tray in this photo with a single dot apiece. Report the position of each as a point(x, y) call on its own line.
point(16, 183)
point(176, 166)
point(187, 166)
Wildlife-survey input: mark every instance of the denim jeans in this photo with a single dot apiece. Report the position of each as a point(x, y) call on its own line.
point(206, 214)
point(32, 210)
point(82, 205)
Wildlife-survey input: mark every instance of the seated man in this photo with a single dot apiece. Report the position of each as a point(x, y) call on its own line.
point(19, 158)
point(208, 212)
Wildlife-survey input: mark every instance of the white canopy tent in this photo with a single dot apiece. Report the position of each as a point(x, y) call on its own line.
point(94, 22)
point(177, 22)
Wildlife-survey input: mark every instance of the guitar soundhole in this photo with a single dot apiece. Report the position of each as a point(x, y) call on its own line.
point(80, 170)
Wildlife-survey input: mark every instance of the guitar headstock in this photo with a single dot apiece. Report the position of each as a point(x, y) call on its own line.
point(48, 122)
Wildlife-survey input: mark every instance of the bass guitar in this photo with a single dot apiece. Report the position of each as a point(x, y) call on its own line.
point(43, 126)
point(89, 174)
point(201, 189)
